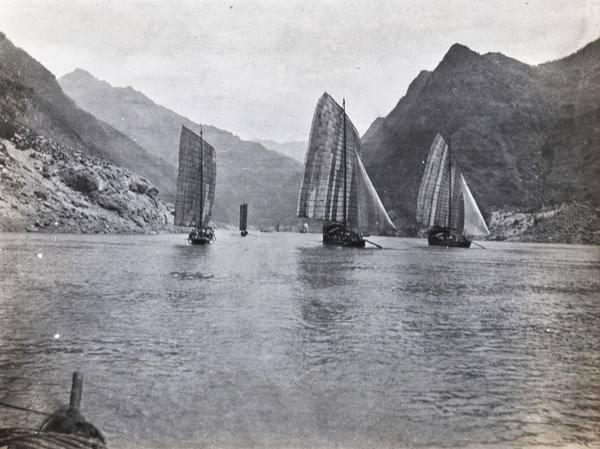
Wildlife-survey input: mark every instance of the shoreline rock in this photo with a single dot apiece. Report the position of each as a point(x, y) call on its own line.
point(49, 187)
point(577, 223)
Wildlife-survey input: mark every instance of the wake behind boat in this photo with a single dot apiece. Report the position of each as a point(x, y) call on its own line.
point(445, 203)
point(195, 186)
point(336, 187)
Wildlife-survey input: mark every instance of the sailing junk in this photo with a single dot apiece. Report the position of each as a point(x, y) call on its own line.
point(336, 187)
point(195, 186)
point(445, 203)
point(244, 219)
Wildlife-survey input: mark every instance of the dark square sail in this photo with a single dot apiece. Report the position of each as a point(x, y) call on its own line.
point(196, 181)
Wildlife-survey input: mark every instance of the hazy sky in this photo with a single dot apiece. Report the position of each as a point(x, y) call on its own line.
point(257, 68)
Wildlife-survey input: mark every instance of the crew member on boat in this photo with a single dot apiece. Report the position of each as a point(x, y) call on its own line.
point(202, 233)
point(209, 233)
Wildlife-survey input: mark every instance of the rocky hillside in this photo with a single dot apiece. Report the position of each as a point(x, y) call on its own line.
point(565, 223)
point(50, 187)
point(526, 137)
point(246, 171)
point(31, 96)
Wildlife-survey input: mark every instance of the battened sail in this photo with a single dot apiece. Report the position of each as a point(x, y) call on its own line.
point(196, 181)
point(243, 217)
point(335, 186)
point(444, 199)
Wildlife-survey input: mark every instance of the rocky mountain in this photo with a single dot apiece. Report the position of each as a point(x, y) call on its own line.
point(31, 96)
point(246, 171)
point(58, 167)
point(526, 137)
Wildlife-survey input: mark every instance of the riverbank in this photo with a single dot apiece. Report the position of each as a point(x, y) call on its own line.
point(48, 187)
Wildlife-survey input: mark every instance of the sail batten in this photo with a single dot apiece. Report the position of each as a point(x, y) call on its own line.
point(195, 182)
point(335, 186)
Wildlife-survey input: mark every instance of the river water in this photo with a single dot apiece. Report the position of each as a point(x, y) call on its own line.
point(274, 340)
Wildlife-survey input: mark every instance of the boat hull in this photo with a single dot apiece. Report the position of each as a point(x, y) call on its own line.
point(443, 237)
point(199, 241)
point(338, 235)
point(347, 242)
point(201, 237)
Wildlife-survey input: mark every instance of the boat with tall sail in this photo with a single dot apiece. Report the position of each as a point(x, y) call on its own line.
point(335, 187)
point(195, 186)
point(244, 219)
point(444, 202)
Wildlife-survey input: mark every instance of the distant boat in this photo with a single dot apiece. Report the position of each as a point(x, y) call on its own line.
point(244, 219)
point(445, 203)
point(195, 186)
point(336, 187)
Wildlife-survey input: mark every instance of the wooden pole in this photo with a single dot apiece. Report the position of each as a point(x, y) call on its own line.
point(201, 218)
point(345, 168)
point(378, 246)
point(76, 389)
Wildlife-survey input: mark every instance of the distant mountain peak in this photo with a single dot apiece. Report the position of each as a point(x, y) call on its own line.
point(460, 48)
point(83, 78)
point(80, 75)
point(81, 72)
point(458, 55)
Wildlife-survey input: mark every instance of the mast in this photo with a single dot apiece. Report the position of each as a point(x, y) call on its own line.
point(201, 180)
point(345, 165)
point(450, 177)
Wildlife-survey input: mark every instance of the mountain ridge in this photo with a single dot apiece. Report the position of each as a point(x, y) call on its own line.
point(247, 172)
point(33, 97)
point(503, 119)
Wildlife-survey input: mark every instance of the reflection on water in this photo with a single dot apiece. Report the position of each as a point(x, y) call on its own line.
point(274, 340)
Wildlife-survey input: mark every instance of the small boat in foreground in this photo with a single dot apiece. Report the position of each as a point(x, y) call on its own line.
point(445, 203)
point(195, 186)
point(336, 188)
point(64, 429)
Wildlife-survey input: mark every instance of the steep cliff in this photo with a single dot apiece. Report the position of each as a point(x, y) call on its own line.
point(31, 96)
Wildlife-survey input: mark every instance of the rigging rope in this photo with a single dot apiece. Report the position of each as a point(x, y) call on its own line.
point(24, 409)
